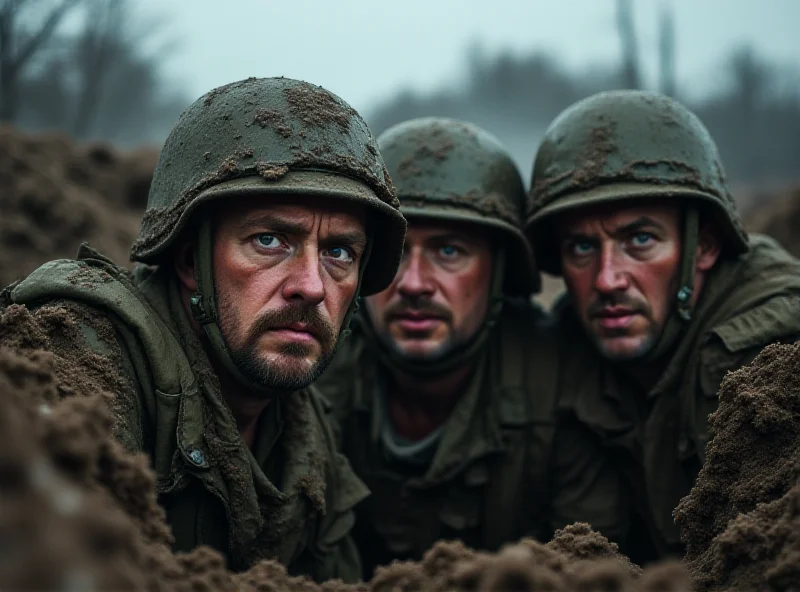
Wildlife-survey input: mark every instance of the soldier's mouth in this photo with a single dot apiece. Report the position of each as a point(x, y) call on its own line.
point(295, 332)
point(414, 321)
point(615, 317)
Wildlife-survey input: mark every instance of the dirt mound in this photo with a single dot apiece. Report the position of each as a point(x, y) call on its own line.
point(741, 522)
point(55, 194)
point(779, 217)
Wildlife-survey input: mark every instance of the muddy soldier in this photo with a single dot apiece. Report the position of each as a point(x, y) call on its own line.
point(439, 394)
point(666, 294)
point(269, 213)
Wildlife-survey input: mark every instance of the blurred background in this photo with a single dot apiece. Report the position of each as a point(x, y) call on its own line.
point(117, 73)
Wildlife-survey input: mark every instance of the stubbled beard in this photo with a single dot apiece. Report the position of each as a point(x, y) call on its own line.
point(645, 347)
point(451, 343)
point(272, 375)
point(617, 299)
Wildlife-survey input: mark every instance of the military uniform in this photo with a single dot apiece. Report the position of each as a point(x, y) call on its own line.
point(484, 478)
point(290, 496)
point(652, 428)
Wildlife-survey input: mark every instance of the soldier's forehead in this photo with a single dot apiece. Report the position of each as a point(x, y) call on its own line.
point(296, 208)
point(621, 213)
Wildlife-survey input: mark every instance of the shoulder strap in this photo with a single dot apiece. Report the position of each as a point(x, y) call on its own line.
point(527, 395)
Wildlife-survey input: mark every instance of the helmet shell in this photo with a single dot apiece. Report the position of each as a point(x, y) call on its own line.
point(626, 145)
point(278, 136)
point(452, 170)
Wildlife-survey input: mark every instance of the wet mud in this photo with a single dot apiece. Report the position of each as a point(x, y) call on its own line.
point(741, 522)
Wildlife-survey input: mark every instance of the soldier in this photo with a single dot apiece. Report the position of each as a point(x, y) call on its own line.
point(666, 294)
point(439, 393)
point(269, 212)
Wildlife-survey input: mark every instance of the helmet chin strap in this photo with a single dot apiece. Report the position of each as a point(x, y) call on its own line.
point(457, 358)
point(690, 239)
point(677, 321)
point(203, 303)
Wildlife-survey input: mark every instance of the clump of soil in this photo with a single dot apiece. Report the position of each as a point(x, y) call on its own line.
point(57, 194)
point(316, 107)
point(779, 217)
point(741, 522)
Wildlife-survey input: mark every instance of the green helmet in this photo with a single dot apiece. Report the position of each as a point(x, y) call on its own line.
point(624, 145)
point(261, 137)
point(451, 170)
point(272, 136)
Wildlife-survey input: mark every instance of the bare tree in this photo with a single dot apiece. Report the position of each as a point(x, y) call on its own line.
point(630, 47)
point(96, 49)
point(666, 48)
point(21, 40)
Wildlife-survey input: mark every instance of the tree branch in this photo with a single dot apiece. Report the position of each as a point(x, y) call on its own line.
point(44, 33)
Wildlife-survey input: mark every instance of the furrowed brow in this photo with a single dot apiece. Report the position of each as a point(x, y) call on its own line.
point(273, 224)
point(575, 237)
point(354, 239)
point(638, 224)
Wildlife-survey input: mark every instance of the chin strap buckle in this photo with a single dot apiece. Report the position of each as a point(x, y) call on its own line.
point(685, 303)
point(199, 311)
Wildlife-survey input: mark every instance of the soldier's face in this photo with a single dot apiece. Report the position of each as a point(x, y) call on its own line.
point(621, 267)
point(286, 271)
point(439, 297)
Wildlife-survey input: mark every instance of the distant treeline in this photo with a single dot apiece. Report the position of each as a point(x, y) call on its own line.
point(99, 78)
point(755, 117)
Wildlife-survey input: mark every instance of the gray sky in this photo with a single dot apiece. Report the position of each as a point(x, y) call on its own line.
point(367, 50)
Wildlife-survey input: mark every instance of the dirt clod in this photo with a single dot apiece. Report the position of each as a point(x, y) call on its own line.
point(316, 107)
point(741, 521)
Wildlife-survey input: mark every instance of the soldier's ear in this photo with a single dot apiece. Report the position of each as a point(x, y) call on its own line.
point(709, 247)
point(183, 261)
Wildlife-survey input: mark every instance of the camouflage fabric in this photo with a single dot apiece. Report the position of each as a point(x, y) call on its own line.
point(626, 145)
point(290, 498)
point(636, 444)
point(445, 169)
point(487, 483)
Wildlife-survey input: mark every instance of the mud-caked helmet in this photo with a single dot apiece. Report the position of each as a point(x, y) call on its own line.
point(444, 169)
point(265, 137)
point(630, 145)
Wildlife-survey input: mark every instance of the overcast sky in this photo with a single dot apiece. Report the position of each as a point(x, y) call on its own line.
point(367, 50)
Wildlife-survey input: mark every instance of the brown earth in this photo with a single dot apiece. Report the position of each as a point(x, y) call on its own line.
point(55, 194)
point(741, 521)
point(778, 215)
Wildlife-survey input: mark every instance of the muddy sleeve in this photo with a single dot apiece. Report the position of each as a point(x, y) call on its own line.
point(586, 483)
point(92, 357)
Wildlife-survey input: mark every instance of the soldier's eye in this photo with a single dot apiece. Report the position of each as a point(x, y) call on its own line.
point(642, 239)
point(581, 248)
point(268, 241)
point(449, 251)
point(340, 254)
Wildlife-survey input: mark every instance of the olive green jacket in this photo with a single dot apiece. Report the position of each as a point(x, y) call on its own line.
point(654, 437)
point(290, 498)
point(487, 482)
